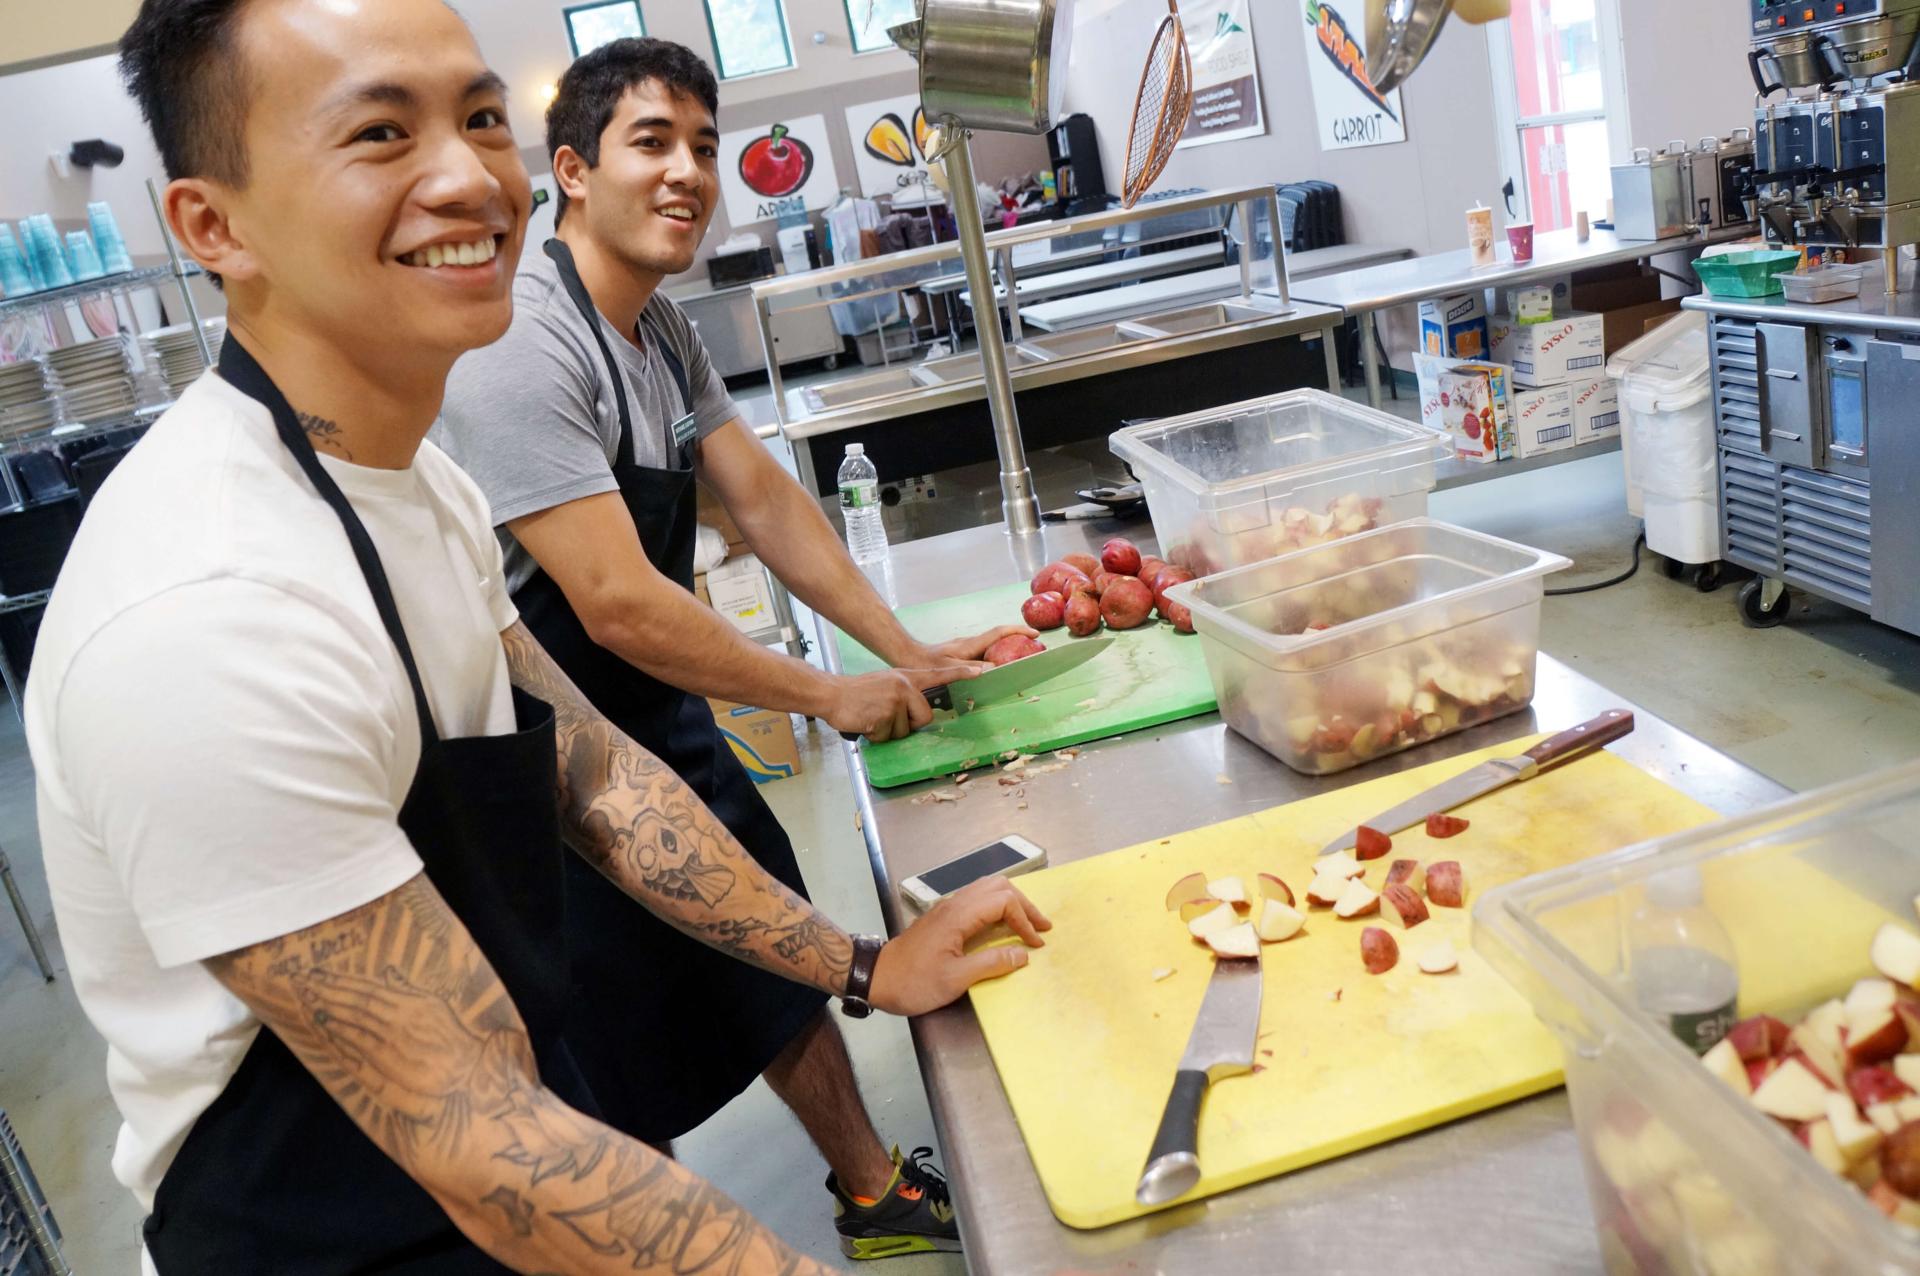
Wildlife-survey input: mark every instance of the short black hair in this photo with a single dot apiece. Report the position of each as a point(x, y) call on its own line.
point(181, 62)
point(593, 86)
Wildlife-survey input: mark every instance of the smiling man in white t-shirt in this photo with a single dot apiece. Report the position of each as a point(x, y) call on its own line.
point(301, 766)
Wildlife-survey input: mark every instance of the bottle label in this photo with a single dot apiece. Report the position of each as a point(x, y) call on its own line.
point(854, 496)
point(1701, 1030)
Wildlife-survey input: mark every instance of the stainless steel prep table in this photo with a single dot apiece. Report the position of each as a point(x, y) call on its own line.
point(1494, 1195)
point(1362, 293)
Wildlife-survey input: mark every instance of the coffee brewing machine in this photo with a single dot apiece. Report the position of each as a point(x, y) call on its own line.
point(1837, 153)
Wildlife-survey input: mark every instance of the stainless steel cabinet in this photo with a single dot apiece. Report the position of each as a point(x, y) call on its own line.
point(725, 322)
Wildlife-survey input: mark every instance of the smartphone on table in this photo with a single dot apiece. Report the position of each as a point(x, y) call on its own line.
point(1008, 857)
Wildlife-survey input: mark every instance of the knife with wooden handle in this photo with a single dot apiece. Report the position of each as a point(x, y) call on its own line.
point(1488, 776)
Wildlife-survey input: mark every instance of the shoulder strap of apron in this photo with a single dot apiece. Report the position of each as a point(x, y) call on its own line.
point(582, 302)
point(577, 292)
point(243, 372)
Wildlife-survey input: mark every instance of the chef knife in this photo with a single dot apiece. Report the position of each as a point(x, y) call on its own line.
point(1014, 678)
point(1493, 774)
point(1222, 1046)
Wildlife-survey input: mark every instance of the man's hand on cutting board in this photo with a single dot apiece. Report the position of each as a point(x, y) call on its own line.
point(928, 965)
point(881, 706)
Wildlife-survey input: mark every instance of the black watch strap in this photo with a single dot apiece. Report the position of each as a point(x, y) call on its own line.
point(866, 952)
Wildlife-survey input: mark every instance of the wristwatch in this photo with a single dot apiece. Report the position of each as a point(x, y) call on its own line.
point(866, 952)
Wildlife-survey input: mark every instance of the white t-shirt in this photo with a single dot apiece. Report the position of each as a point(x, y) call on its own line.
point(222, 732)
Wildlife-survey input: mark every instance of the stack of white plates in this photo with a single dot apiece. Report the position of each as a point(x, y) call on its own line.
point(178, 354)
point(26, 398)
point(96, 383)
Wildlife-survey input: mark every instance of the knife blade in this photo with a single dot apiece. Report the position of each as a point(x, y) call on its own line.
point(1014, 678)
point(1225, 1033)
point(1493, 774)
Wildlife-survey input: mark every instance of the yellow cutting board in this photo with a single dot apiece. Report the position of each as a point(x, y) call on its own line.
point(1087, 1041)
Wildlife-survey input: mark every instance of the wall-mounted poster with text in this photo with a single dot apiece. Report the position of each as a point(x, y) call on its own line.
point(782, 167)
point(1226, 76)
point(889, 148)
point(1351, 111)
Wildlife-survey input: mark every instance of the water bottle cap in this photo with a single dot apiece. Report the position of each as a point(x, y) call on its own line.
point(856, 449)
point(1676, 889)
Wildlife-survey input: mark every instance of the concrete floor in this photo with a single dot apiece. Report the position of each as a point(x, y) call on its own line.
point(1823, 698)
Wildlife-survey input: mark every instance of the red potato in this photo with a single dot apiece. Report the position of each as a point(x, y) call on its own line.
point(1447, 884)
point(1409, 907)
point(1900, 1159)
point(1371, 844)
point(1120, 556)
point(1378, 950)
point(1101, 579)
point(1059, 578)
point(1876, 1084)
point(1012, 648)
point(1083, 614)
point(1192, 886)
point(1756, 1037)
point(1273, 888)
point(1179, 616)
point(1167, 579)
point(1406, 873)
point(1044, 611)
point(1085, 564)
point(1440, 824)
point(1126, 604)
point(1151, 567)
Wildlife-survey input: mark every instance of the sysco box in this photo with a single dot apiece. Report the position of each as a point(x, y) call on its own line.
point(1596, 409)
point(1455, 327)
point(1542, 420)
point(1565, 348)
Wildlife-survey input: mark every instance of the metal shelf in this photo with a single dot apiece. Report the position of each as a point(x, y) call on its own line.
point(53, 436)
point(105, 283)
point(1455, 472)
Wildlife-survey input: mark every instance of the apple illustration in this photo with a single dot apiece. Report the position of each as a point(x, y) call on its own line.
point(777, 164)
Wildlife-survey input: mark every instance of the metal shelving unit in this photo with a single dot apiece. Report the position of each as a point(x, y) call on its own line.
point(86, 288)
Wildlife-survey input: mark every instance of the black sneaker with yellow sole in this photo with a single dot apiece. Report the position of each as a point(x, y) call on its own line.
point(913, 1216)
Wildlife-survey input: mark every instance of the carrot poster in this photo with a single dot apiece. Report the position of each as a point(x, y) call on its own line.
point(1351, 111)
point(889, 148)
point(776, 168)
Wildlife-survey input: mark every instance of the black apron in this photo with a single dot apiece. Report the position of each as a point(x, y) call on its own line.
point(666, 1029)
point(274, 1177)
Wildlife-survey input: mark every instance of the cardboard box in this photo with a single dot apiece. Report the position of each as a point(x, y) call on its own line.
point(1596, 409)
point(1426, 372)
point(739, 590)
point(762, 739)
point(1614, 288)
point(1542, 420)
point(1631, 323)
point(1455, 326)
point(1473, 398)
point(1542, 354)
point(710, 511)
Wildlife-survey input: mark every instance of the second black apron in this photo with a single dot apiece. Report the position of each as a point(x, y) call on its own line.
point(274, 1176)
point(666, 1029)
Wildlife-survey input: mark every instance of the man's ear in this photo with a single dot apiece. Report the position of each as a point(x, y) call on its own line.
point(570, 170)
point(199, 212)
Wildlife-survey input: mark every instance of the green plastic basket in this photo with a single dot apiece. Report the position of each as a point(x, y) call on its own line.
point(1749, 274)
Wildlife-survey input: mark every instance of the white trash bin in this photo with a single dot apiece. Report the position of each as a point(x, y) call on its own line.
point(1667, 438)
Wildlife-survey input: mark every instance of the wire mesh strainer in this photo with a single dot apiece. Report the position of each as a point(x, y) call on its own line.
point(1161, 108)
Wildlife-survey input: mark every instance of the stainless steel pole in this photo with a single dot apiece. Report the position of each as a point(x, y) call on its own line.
point(1018, 505)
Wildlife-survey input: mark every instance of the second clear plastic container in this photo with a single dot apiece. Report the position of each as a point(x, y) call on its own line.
point(1684, 1174)
point(1335, 655)
point(1822, 283)
point(1241, 483)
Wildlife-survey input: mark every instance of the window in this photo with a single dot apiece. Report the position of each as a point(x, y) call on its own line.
point(591, 25)
point(868, 21)
point(749, 37)
point(1560, 102)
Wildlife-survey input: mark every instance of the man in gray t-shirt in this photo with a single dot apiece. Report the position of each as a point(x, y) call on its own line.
point(587, 426)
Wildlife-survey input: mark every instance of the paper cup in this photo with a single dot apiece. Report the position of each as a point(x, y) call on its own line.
point(1520, 240)
point(1480, 235)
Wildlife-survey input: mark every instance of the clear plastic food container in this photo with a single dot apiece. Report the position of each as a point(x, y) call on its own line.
point(1686, 1175)
point(1822, 283)
point(1245, 482)
point(1332, 656)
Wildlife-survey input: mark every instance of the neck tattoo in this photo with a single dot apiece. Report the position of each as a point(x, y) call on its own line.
point(325, 434)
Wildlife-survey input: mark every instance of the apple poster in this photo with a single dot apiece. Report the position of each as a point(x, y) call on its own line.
point(781, 167)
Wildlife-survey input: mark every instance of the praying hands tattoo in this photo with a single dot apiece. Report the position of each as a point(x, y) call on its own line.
point(398, 1015)
point(641, 826)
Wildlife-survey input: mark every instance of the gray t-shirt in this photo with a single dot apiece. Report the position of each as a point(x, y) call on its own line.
point(533, 418)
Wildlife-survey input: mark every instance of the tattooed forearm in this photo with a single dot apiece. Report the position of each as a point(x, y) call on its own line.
point(635, 821)
point(395, 1011)
point(325, 434)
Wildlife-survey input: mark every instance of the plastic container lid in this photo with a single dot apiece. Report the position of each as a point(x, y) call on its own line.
point(1666, 369)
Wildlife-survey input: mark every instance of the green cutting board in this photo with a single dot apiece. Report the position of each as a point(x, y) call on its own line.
point(1149, 676)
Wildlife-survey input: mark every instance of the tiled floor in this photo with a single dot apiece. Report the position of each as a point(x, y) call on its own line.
point(1826, 697)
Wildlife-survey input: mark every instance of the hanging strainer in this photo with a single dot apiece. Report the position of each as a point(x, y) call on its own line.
point(1161, 108)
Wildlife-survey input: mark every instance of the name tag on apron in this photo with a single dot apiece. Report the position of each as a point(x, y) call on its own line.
point(683, 431)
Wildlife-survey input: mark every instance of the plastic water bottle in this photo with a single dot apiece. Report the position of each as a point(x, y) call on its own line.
point(1681, 960)
point(860, 507)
